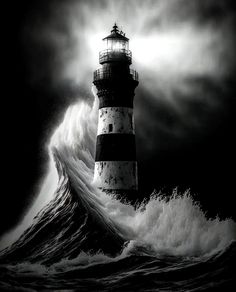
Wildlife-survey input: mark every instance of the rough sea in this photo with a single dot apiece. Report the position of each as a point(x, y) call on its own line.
point(77, 238)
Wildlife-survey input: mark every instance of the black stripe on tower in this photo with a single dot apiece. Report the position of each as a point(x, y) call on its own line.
point(115, 147)
point(116, 94)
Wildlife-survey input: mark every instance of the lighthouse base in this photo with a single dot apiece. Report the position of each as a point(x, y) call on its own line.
point(125, 196)
point(116, 175)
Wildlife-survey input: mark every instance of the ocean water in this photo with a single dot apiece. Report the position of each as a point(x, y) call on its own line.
point(77, 238)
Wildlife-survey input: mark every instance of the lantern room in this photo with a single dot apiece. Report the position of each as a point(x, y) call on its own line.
point(116, 47)
point(116, 41)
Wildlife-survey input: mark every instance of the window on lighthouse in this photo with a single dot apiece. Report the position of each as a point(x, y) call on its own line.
point(115, 44)
point(110, 128)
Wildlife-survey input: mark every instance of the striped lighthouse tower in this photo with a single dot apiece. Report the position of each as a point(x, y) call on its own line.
point(115, 161)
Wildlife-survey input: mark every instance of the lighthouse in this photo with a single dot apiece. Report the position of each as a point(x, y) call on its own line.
point(116, 170)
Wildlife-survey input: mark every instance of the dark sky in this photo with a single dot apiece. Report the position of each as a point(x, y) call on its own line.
point(185, 114)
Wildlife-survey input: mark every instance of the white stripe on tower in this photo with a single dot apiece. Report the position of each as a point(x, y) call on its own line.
point(115, 175)
point(115, 120)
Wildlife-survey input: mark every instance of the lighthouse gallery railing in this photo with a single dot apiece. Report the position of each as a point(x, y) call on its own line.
point(108, 74)
point(112, 55)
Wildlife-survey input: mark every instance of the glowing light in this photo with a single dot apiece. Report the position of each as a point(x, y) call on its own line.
point(181, 52)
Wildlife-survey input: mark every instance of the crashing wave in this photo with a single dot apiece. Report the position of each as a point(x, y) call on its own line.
point(66, 226)
point(80, 219)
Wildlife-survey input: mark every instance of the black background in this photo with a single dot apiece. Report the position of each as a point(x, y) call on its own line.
point(30, 110)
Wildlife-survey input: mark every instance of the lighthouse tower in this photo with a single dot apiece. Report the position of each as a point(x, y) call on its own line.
point(115, 161)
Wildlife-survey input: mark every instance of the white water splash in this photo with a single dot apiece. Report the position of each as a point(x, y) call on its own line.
point(178, 226)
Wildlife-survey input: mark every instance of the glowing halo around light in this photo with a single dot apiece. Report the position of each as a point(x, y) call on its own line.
point(164, 47)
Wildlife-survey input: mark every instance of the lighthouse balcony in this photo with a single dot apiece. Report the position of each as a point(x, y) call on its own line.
point(115, 55)
point(101, 74)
